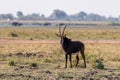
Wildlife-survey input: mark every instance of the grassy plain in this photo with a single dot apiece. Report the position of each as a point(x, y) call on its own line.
point(38, 61)
point(43, 33)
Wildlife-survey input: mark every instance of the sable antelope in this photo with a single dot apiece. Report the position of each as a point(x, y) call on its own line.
point(71, 47)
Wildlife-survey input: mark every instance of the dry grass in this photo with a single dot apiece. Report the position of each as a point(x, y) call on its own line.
point(49, 59)
point(36, 61)
point(41, 33)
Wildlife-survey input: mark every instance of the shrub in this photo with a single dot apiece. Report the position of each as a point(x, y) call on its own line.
point(47, 60)
point(97, 63)
point(33, 64)
point(11, 63)
point(14, 34)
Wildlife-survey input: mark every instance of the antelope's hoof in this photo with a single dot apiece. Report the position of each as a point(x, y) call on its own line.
point(65, 67)
point(70, 66)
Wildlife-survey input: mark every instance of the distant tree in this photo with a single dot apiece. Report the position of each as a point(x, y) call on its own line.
point(6, 16)
point(119, 18)
point(20, 14)
point(43, 16)
point(2, 17)
point(27, 17)
point(58, 14)
point(10, 16)
point(81, 16)
point(95, 17)
point(112, 19)
point(35, 16)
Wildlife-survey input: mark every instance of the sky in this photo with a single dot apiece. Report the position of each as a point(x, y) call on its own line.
point(46, 7)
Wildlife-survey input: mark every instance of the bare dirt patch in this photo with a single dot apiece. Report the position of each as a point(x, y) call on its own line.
point(14, 41)
point(17, 41)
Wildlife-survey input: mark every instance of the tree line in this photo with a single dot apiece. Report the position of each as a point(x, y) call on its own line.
point(59, 15)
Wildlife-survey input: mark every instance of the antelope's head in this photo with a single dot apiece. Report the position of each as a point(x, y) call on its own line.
point(63, 38)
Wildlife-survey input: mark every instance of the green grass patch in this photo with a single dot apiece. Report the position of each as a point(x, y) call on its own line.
point(33, 64)
point(11, 63)
point(97, 63)
point(47, 60)
point(13, 34)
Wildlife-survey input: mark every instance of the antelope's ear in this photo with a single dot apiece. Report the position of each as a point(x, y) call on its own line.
point(57, 35)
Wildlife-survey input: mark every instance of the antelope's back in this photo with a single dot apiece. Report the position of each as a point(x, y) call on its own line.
point(75, 46)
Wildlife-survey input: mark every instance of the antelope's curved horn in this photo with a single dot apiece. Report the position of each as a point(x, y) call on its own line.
point(64, 30)
point(59, 30)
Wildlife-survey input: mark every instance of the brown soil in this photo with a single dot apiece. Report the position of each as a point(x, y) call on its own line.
point(16, 41)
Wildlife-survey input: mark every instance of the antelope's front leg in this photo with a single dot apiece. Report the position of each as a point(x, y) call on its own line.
point(66, 57)
point(70, 59)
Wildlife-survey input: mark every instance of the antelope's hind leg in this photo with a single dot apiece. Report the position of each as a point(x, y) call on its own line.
point(83, 56)
point(77, 60)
